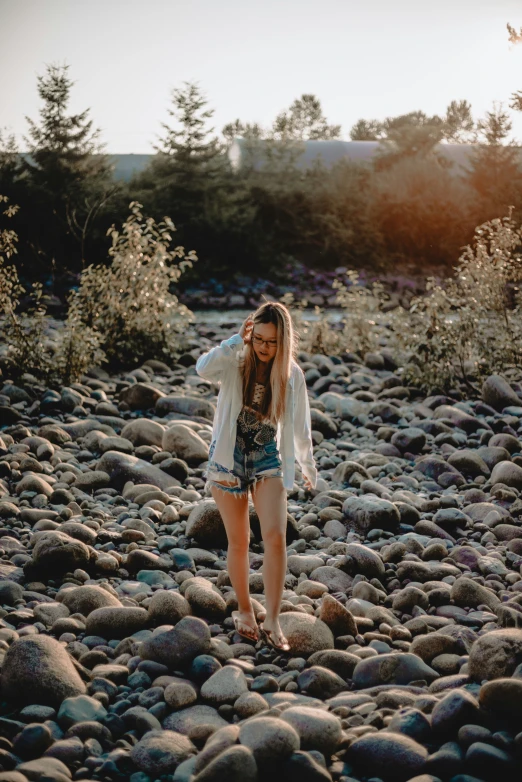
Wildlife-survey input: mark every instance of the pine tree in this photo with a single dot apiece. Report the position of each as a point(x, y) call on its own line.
point(459, 126)
point(68, 176)
point(191, 181)
point(367, 130)
point(242, 130)
point(189, 147)
point(495, 168)
point(304, 121)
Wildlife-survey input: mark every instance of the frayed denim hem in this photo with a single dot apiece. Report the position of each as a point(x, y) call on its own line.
point(238, 490)
point(235, 491)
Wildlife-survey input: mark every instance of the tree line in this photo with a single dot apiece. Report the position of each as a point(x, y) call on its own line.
point(404, 208)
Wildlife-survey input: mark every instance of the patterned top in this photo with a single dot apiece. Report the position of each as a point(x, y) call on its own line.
point(251, 432)
point(257, 398)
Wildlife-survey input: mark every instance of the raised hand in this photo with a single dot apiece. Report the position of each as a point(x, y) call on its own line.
point(246, 328)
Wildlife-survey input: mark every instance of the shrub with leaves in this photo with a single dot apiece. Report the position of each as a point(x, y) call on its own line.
point(314, 336)
point(363, 326)
point(363, 321)
point(472, 325)
point(28, 349)
point(129, 302)
point(458, 332)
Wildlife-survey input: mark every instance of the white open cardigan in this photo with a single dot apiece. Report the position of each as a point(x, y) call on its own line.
point(294, 436)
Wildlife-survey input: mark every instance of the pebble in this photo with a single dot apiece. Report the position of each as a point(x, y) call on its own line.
point(269, 739)
point(317, 729)
point(388, 755)
point(160, 752)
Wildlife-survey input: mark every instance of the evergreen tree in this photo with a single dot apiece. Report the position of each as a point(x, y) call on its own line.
point(242, 130)
point(9, 163)
point(412, 134)
point(367, 130)
point(191, 181)
point(304, 121)
point(68, 176)
point(459, 126)
point(495, 168)
point(189, 146)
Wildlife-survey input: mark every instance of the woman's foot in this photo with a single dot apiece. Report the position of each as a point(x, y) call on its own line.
point(271, 629)
point(246, 625)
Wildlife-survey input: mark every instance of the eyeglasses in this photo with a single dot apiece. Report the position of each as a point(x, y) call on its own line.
point(270, 343)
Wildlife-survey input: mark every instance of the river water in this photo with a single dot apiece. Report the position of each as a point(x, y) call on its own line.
point(218, 317)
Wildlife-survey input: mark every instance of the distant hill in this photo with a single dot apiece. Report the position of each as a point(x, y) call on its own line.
point(124, 165)
point(240, 153)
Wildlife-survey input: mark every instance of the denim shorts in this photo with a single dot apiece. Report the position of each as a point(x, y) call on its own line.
point(249, 468)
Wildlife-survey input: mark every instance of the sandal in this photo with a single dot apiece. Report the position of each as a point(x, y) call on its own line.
point(252, 636)
point(269, 638)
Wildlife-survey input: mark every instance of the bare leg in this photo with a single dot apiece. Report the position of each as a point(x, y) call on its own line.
point(234, 512)
point(270, 502)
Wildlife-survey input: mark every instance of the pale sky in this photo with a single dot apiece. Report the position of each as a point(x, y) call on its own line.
point(252, 58)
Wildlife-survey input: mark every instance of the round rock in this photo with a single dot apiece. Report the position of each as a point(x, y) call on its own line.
point(317, 729)
point(269, 739)
point(161, 751)
point(387, 755)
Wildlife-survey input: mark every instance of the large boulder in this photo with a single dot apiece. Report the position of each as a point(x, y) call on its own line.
point(317, 729)
point(116, 622)
point(224, 686)
point(205, 525)
point(503, 697)
point(508, 473)
point(186, 405)
point(204, 598)
point(37, 669)
point(390, 756)
point(468, 462)
point(181, 441)
point(56, 552)
point(321, 422)
point(495, 655)
point(497, 393)
point(142, 431)
point(141, 396)
point(344, 471)
point(167, 607)
point(189, 719)
point(368, 512)
point(160, 752)
point(466, 592)
point(123, 467)
point(392, 669)
point(306, 634)
point(460, 418)
point(409, 440)
point(84, 599)
point(177, 648)
point(362, 559)
point(337, 617)
point(269, 739)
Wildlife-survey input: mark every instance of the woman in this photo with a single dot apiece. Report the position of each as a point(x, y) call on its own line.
point(262, 424)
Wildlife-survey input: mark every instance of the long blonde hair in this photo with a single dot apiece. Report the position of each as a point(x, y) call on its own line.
point(274, 400)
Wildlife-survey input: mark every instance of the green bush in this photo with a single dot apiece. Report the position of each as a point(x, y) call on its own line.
point(29, 352)
point(471, 326)
point(455, 334)
point(129, 302)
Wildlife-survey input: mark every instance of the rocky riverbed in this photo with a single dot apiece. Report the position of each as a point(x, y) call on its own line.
point(402, 602)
